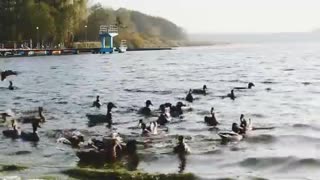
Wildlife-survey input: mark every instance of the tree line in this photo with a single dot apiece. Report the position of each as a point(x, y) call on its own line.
point(68, 21)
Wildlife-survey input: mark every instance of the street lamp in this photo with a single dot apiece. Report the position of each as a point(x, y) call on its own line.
point(86, 37)
point(86, 32)
point(37, 37)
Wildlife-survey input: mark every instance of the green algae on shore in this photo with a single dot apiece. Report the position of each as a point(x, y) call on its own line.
point(12, 167)
point(89, 173)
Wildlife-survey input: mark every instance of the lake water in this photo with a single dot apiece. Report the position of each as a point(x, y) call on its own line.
point(286, 96)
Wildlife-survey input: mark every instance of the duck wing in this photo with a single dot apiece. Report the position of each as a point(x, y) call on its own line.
point(5, 74)
point(198, 91)
point(95, 119)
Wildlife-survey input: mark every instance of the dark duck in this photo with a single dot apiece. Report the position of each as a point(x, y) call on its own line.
point(189, 96)
point(109, 114)
point(164, 118)
point(96, 103)
point(95, 119)
point(146, 110)
point(182, 147)
point(12, 133)
point(211, 120)
point(231, 95)
point(250, 85)
point(5, 74)
point(176, 111)
point(237, 129)
point(10, 86)
point(200, 91)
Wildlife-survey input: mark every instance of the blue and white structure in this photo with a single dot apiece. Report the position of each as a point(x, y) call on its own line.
point(107, 32)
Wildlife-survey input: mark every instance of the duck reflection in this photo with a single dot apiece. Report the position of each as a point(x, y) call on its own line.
point(132, 156)
point(183, 161)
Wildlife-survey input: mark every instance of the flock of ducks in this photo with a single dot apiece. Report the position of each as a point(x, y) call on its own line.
point(167, 112)
point(110, 149)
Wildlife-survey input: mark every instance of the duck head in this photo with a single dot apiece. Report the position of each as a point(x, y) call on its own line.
point(235, 125)
point(98, 98)
point(241, 116)
point(162, 108)
point(10, 82)
point(250, 85)
point(148, 103)
point(190, 91)
point(111, 105)
point(40, 109)
point(180, 104)
point(204, 87)
point(212, 109)
point(180, 139)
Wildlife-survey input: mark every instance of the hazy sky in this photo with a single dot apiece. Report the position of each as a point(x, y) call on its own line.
point(231, 15)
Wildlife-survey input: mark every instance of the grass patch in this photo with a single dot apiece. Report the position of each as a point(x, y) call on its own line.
point(123, 174)
point(6, 168)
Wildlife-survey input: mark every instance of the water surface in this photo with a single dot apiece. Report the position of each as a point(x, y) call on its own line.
point(286, 97)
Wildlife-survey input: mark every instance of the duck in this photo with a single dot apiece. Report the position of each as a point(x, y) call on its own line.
point(96, 103)
point(13, 133)
point(237, 129)
point(200, 91)
point(176, 111)
point(189, 96)
point(109, 114)
point(164, 117)
point(6, 73)
point(101, 152)
point(30, 119)
point(146, 110)
point(74, 139)
point(231, 95)
point(11, 86)
point(211, 121)
point(181, 147)
point(250, 85)
point(246, 125)
point(95, 119)
point(235, 135)
point(152, 129)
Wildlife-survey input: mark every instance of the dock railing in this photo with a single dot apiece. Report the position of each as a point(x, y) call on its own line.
point(105, 29)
